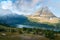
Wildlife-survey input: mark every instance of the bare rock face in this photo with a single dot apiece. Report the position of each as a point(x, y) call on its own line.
point(44, 12)
point(44, 15)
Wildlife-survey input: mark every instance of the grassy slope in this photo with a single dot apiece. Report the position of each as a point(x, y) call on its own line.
point(42, 20)
point(14, 35)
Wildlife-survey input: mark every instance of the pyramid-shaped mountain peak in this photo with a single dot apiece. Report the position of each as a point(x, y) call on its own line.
point(44, 15)
point(44, 12)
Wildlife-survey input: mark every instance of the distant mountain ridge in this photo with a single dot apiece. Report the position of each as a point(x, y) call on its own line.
point(13, 19)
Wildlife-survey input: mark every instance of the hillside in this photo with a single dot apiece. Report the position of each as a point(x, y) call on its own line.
point(13, 19)
point(8, 33)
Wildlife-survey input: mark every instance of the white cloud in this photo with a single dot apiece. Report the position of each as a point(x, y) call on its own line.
point(6, 4)
point(21, 6)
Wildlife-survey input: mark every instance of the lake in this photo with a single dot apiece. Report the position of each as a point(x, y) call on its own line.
point(45, 28)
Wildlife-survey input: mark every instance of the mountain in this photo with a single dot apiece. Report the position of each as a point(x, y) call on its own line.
point(44, 15)
point(13, 19)
point(44, 12)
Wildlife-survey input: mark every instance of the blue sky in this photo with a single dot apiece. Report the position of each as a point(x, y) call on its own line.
point(54, 6)
point(30, 6)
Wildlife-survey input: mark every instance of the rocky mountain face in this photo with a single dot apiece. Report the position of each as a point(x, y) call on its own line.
point(44, 12)
point(44, 15)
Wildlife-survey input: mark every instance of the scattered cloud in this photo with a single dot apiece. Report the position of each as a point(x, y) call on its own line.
point(6, 4)
point(28, 6)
